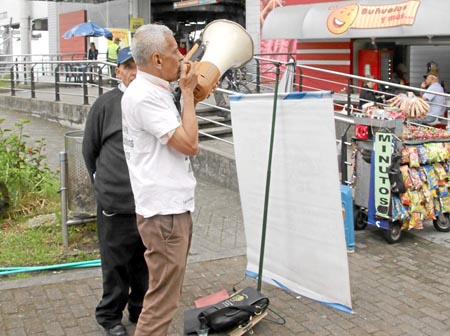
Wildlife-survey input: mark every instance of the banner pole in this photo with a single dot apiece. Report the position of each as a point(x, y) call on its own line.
point(269, 172)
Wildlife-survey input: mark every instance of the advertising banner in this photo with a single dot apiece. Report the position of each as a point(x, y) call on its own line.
point(383, 154)
point(123, 35)
point(305, 249)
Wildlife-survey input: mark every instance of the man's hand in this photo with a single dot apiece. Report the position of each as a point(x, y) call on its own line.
point(185, 138)
point(188, 77)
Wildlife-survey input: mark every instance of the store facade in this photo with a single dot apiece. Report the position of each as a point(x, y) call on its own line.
point(363, 37)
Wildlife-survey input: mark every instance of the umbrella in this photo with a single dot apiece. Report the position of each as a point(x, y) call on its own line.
point(87, 29)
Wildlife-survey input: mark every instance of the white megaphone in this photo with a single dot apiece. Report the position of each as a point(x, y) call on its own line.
point(227, 46)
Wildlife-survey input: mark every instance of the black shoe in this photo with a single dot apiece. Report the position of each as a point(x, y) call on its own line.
point(118, 330)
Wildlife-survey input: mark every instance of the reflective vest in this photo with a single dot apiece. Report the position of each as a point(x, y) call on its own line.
point(113, 50)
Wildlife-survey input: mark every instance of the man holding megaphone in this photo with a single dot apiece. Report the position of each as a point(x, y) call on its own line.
point(158, 141)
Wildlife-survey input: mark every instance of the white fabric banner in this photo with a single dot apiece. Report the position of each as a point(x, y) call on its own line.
point(305, 247)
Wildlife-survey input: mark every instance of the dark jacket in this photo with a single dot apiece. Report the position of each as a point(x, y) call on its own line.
point(367, 96)
point(92, 55)
point(103, 154)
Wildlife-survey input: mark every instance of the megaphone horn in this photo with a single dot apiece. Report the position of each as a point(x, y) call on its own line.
point(227, 45)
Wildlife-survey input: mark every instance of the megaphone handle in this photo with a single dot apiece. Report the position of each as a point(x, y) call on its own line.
point(191, 52)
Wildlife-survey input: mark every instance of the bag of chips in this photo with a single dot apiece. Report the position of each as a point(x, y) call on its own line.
point(440, 171)
point(445, 204)
point(437, 206)
point(416, 221)
point(413, 157)
point(431, 177)
point(405, 155)
point(406, 178)
point(399, 212)
point(422, 152)
point(442, 151)
point(415, 178)
point(433, 152)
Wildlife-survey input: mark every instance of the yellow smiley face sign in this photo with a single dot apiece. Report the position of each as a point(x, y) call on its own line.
point(342, 18)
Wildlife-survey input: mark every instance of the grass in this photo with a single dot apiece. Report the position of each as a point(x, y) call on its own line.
point(5, 80)
point(22, 246)
point(30, 188)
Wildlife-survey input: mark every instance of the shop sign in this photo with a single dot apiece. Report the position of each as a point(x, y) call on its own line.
point(135, 23)
point(382, 157)
point(193, 3)
point(356, 16)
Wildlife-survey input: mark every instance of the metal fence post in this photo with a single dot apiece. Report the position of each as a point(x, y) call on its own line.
point(17, 69)
point(258, 76)
point(100, 80)
point(24, 71)
point(300, 80)
point(13, 91)
point(349, 98)
point(57, 95)
point(33, 85)
point(63, 195)
point(85, 88)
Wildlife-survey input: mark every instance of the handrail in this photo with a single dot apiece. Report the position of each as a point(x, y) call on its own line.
point(31, 76)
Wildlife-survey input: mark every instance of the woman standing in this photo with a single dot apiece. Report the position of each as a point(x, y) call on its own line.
point(92, 55)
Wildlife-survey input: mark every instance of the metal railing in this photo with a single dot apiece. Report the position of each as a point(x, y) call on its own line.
point(84, 80)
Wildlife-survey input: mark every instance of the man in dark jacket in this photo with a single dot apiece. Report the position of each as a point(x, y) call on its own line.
point(125, 274)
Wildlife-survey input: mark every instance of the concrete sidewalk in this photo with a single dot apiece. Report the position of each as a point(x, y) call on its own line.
point(401, 289)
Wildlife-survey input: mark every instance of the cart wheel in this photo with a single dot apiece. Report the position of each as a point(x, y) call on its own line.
point(359, 218)
point(394, 234)
point(442, 223)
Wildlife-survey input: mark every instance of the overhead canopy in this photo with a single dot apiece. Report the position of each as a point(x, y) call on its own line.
point(362, 19)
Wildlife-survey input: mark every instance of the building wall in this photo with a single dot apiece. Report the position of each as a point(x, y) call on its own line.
point(75, 45)
point(252, 22)
point(112, 14)
point(421, 55)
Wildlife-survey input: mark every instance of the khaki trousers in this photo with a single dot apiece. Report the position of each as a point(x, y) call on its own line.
point(167, 239)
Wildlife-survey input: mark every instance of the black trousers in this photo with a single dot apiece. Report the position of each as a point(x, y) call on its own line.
point(125, 273)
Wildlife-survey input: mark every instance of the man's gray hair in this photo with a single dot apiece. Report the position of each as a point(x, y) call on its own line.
point(149, 38)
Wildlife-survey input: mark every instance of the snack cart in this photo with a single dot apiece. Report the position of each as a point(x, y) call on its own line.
point(401, 174)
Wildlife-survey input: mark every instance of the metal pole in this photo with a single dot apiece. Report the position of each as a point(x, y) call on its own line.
point(57, 96)
point(269, 172)
point(100, 80)
point(349, 98)
point(13, 91)
point(258, 76)
point(63, 196)
point(33, 85)
point(300, 80)
point(85, 88)
point(25, 71)
point(344, 173)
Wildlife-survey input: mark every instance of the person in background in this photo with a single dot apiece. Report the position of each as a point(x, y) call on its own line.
point(92, 55)
point(111, 56)
point(158, 141)
point(400, 76)
point(436, 102)
point(368, 93)
point(125, 275)
point(93, 52)
point(182, 48)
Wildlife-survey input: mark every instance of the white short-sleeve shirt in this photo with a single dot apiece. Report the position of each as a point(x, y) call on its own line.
point(161, 178)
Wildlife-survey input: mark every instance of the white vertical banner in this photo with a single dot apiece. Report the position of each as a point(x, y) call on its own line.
point(305, 249)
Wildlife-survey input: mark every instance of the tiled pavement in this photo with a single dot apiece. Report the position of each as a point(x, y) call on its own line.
point(401, 289)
